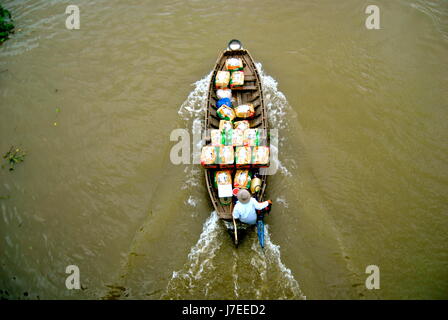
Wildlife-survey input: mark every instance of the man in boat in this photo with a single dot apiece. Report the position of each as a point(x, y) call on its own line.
point(246, 206)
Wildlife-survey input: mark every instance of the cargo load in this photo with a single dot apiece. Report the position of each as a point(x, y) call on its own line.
point(223, 177)
point(223, 102)
point(209, 157)
point(237, 79)
point(226, 113)
point(226, 157)
point(260, 157)
point(245, 111)
point(225, 125)
point(243, 157)
point(241, 125)
point(234, 64)
point(227, 137)
point(242, 179)
point(216, 137)
point(222, 79)
point(223, 182)
point(237, 138)
point(251, 137)
point(224, 93)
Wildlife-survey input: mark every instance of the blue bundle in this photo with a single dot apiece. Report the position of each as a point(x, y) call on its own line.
point(224, 101)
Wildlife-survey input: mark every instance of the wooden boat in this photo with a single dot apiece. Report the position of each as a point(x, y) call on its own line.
point(251, 92)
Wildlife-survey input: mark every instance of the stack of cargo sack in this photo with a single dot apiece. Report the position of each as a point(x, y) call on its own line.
point(223, 182)
point(248, 152)
point(233, 76)
point(213, 157)
point(234, 144)
point(242, 179)
point(251, 154)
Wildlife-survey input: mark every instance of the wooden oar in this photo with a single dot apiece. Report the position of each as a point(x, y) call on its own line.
point(236, 231)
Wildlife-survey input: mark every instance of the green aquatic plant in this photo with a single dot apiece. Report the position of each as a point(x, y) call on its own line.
point(14, 156)
point(6, 26)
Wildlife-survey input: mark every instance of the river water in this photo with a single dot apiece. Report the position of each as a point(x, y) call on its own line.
point(362, 180)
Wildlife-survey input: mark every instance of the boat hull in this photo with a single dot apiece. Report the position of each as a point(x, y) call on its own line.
point(251, 92)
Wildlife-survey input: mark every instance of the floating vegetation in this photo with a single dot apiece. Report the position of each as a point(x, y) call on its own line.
point(58, 110)
point(14, 156)
point(6, 26)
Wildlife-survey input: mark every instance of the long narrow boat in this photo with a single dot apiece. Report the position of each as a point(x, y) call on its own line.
point(250, 92)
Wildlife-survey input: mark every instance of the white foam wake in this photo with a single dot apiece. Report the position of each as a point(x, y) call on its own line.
point(192, 112)
point(199, 261)
point(194, 105)
point(272, 269)
point(279, 111)
point(276, 103)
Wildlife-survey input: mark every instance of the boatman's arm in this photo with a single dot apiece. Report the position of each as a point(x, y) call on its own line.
point(259, 205)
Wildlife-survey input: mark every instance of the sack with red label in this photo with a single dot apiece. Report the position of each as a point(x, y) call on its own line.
point(234, 64)
point(245, 111)
point(242, 179)
point(226, 157)
point(243, 157)
point(222, 79)
point(260, 157)
point(237, 79)
point(209, 157)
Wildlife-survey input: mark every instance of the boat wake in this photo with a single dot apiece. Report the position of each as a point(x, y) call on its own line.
point(187, 282)
point(194, 106)
point(270, 267)
point(216, 271)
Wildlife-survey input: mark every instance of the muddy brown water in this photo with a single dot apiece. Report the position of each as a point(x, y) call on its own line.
point(362, 179)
